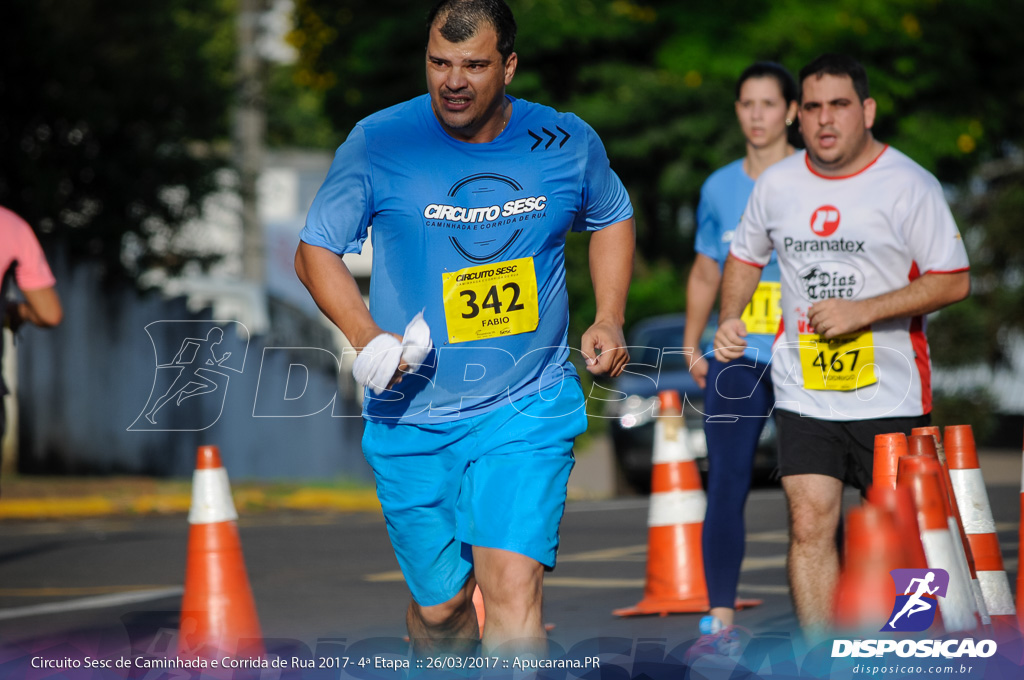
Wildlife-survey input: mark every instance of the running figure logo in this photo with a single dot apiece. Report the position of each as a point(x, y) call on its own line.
point(199, 367)
point(914, 610)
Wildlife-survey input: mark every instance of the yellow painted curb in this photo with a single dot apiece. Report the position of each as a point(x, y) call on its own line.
point(161, 504)
point(179, 503)
point(31, 508)
point(319, 499)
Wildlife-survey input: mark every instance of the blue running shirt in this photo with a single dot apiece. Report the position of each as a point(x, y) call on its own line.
point(474, 235)
point(722, 201)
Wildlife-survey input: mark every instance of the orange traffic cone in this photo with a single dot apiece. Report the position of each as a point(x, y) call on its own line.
point(478, 605)
point(971, 498)
point(926, 461)
point(218, 614)
point(932, 430)
point(958, 606)
point(865, 591)
point(889, 448)
point(1020, 572)
point(675, 563)
point(940, 454)
point(900, 502)
point(928, 446)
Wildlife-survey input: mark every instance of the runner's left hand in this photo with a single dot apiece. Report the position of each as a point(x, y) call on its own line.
point(604, 348)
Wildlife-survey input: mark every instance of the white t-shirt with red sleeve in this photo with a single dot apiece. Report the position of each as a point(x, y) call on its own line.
point(851, 237)
point(19, 244)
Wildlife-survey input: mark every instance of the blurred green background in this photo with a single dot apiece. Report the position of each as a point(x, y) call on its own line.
point(117, 116)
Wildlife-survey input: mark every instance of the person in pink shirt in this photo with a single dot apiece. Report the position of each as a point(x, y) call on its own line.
point(23, 263)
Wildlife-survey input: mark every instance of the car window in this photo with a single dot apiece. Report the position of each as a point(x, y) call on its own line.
point(654, 340)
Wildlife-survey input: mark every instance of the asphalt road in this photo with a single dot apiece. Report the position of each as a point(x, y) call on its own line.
point(328, 581)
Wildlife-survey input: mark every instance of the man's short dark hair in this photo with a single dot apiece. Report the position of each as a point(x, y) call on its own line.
point(837, 65)
point(459, 20)
point(769, 69)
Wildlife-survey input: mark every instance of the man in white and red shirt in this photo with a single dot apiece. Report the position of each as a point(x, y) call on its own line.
point(867, 246)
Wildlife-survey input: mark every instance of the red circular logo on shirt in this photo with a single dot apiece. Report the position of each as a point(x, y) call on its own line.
point(825, 220)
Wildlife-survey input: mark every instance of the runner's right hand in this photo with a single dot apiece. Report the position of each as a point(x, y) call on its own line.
point(730, 339)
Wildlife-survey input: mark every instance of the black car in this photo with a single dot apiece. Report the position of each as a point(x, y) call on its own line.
point(657, 363)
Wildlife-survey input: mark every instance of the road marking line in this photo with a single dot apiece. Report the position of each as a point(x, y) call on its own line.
point(58, 592)
point(98, 602)
point(618, 554)
point(606, 554)
point(385, 577)
point(563, 581)
point(749, 564)
point(769, 537)
point(583, 582)
point(758, 563)
point(765, 589)
point(613, 504)
point(643, 502)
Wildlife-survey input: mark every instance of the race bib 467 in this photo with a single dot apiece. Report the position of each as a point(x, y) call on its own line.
point(843, 363)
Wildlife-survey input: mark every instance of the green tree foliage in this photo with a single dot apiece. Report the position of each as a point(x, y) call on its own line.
point(295, 112)
point(984, 327)
point(947, 75)
point(109, 109)
point(655, 78)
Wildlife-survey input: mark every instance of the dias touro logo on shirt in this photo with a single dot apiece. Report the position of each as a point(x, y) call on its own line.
point(831, 279)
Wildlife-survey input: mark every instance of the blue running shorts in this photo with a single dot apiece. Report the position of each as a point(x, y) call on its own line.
point(495, 480)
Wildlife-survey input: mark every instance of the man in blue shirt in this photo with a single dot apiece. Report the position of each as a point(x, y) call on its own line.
point(470, 194)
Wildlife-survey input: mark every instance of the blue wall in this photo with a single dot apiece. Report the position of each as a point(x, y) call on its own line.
point(84, 387)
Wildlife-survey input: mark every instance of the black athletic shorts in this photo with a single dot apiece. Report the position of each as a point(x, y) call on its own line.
point(843, 449)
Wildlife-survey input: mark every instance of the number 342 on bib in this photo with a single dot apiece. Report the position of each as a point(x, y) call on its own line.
point(491, 300)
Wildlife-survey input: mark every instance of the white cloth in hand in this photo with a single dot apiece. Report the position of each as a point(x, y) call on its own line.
point(377, 363)
point(379, 360)
point(416, 343)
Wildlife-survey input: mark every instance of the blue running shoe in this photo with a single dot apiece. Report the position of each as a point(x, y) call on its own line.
point(716, 639)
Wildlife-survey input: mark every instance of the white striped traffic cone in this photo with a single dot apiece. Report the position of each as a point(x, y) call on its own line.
point(218, 613)
point(927, 446)
point(1020, 572)
point(960, 571)
point(940, 453)
point(957, 607)
point(979, 525)
point(675, 565)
